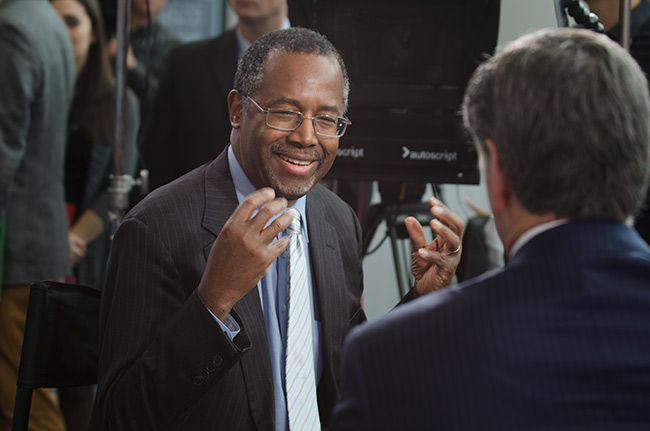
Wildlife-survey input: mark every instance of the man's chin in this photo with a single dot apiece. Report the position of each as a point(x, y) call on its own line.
point(292, 188)
point(292, 193)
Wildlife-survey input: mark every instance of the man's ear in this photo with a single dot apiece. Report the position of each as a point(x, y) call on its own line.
point(235, 108)
point(498, 182)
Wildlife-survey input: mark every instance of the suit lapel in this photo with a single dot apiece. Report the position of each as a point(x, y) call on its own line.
point(220, 202)
point(220, 197)
point(328, 279)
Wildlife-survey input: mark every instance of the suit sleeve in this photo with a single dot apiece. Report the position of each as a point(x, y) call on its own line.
point(19, 76)
point(160, 351)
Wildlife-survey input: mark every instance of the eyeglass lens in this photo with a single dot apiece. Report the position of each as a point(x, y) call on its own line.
point(290, 120)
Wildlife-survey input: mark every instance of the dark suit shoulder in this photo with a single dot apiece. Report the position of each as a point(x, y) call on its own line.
point(173, 201)
point(194, 51)
point(324, 200)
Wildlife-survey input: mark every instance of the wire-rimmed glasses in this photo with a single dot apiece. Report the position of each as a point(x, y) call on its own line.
point(330, 126)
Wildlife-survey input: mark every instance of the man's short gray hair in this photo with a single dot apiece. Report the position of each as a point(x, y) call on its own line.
point(250, 69)
point(569, 113)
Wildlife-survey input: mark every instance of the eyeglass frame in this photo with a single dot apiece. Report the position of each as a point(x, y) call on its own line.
point(346, 121)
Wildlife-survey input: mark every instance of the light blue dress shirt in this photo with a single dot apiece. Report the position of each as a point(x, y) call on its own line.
point(273, 291)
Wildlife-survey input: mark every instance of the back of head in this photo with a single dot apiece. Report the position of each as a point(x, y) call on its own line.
point(569, 113)
point(297, 40)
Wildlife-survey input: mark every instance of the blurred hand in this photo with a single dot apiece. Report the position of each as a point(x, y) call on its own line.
point(433, 265)
point(77, 248)
point(131, 61)
point(243, 251)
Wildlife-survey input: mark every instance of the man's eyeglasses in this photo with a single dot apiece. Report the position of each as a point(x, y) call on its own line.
point(330, 126)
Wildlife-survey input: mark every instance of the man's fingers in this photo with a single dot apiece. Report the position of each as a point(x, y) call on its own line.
point(263, 200)
point(276, 226)
point(432, 256)
point(446, 237)
point(416, 233)
point(280, 245)
point(446, 216)
point(448, 226)
point(266, 212)
point(245, 210)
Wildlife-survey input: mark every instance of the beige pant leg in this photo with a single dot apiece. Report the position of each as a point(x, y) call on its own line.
point(45, 413)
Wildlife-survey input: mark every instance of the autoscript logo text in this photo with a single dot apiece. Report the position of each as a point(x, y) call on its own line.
point(352, 153)
point(445, 156)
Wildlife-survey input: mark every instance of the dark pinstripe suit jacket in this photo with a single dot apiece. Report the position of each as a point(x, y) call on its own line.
point(557, 340)
point(164, 362)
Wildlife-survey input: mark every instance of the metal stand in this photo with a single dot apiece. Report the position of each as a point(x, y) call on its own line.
point(625, 19)
point(579, 11)
point(118, 192)
point(121, 183)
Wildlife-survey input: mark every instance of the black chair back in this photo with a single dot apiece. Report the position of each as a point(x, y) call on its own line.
point(61, 342)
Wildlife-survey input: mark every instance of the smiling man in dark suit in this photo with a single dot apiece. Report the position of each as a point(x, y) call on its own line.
point(558, 338)
point(195, 303)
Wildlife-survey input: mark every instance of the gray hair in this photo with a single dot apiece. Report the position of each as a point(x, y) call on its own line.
point(569, 113)
point(248, 78)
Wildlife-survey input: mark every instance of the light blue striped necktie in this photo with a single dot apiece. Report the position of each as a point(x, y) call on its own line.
point(299, 366)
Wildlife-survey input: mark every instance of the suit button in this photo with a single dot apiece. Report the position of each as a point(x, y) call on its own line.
point(211, 366)
point(205, 375)
point(198, 381)
point(217, 360)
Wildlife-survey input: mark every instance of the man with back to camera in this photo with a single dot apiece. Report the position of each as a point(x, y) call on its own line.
point(190, 124)
point(194, 308)
point(558, 338)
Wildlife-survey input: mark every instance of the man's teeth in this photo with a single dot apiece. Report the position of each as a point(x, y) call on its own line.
point(295, 162)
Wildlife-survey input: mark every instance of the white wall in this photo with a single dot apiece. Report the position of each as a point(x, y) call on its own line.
point(381, 293)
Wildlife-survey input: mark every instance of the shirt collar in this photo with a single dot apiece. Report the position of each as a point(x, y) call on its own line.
point(533, 232)
point(244, 43)
point(244, 187)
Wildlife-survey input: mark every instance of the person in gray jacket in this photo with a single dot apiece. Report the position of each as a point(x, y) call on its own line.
point(37, 70)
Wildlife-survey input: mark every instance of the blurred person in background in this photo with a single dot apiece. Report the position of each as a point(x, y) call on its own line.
point(148, 53)
point(36, 86)
point(88, 163)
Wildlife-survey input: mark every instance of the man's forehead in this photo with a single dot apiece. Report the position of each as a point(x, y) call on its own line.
point(312, 64)
point(277, 55)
